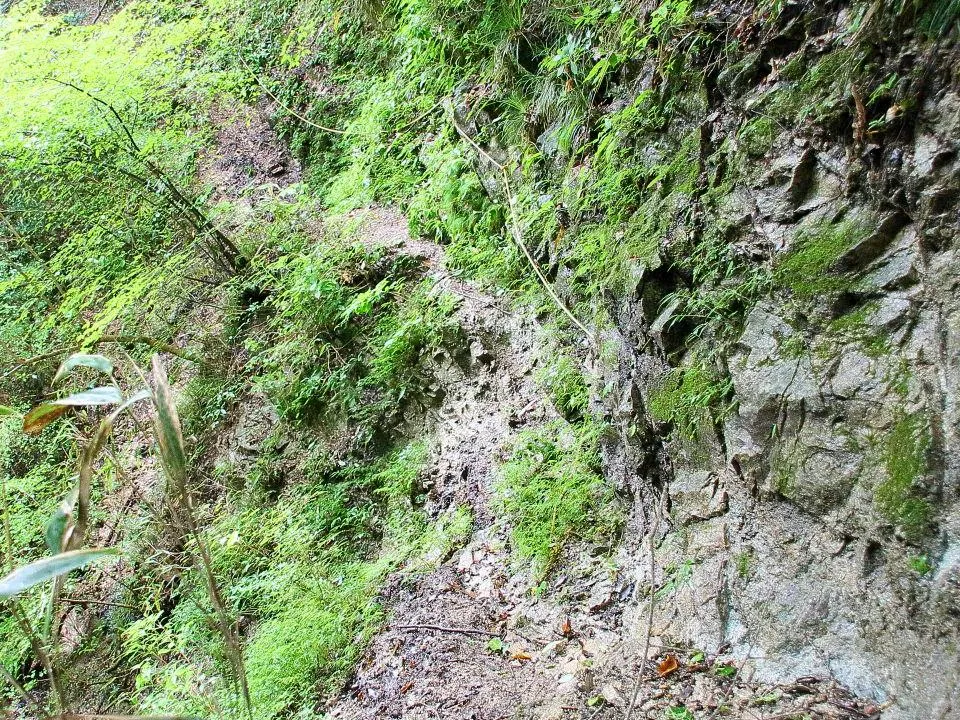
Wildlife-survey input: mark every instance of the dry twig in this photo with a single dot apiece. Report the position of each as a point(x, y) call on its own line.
point(653, 596)
point(517, 237)
point(440, 628)
point(290, 110)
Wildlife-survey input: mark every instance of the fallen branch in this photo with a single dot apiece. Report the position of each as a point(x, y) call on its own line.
point(223, 250)
point(79, 601)
point(440, 628)
point(157, 345)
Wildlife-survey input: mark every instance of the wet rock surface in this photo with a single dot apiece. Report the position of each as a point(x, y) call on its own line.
point(791, 544)
point(815, 528)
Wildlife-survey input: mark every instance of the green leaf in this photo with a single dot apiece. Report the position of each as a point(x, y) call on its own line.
point(41, 571)
point(495, 645)
point(106, 395)
point(97, 362)
point(42, 415)
point(724, 670)
point(364, 302)
point(56, 527)
point(7, 410)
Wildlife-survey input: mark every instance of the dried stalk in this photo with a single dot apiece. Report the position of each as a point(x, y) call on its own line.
point(226, 251)
point(653, 597)
point(290, 110)
point(174, 462)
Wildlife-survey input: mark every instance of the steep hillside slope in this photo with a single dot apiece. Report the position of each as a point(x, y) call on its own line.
point(533, 359)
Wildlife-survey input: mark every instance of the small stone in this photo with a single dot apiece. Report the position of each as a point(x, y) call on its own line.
point(609, 693)
point(586, 681)
point(553, 649)
point(479, 353)
point(567, 684)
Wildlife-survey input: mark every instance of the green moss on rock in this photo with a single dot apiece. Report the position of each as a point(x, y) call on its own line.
point(855, 326)
point(905, 462)
point(551, 489)
point(756, 137)
point(807, 269)
point(689, 398)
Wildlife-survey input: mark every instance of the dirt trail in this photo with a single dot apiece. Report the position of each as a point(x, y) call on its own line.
point(247, 159)
point(570, 647)
point(426, 673)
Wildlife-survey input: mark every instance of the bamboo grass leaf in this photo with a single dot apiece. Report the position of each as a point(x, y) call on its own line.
point(40, 571)
point(105, 395)
point(42, 415)
point(97, 362)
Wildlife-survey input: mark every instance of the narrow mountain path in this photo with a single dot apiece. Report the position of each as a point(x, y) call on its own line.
point(435, 657)
point(479, 637)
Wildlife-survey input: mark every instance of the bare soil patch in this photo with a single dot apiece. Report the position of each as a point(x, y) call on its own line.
point(246, 159)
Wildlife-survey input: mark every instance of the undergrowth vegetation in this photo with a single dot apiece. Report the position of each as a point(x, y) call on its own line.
point(301, 560)
point(552, 491)
point(346, 326)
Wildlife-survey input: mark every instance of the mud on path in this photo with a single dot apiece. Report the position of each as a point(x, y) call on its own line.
point(478, 637)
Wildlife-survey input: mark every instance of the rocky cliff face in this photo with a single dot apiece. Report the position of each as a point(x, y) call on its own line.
point(816, 515)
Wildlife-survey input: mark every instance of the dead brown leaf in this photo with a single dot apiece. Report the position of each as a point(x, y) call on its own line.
point(41, 416)
point(668, 665)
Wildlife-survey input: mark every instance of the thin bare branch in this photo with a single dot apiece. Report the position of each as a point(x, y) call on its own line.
point(290, 110)
point(441, 628)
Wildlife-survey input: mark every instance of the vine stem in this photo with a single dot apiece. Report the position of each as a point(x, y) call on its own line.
point(517, 237)
point(653, 597)
point(157, 345)
point(290, 110)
